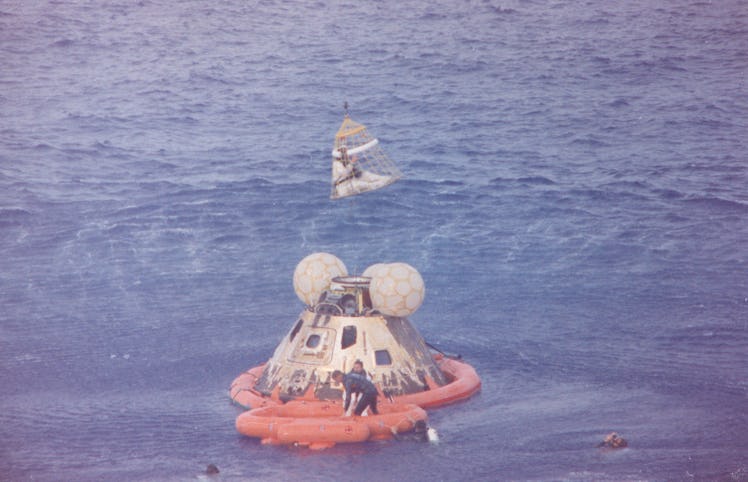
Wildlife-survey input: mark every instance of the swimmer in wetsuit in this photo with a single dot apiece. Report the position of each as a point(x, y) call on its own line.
point(355, 383)
point(613, 441)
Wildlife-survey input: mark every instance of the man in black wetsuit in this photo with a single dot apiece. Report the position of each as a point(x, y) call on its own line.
point(354, 383)
point(358, 369)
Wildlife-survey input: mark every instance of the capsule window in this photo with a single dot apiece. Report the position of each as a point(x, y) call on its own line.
point(382, 357)
point(312, 341)
point(349, 337)
point(295, 330)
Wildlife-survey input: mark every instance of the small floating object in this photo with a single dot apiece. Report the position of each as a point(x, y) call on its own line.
point(613, 441)
point(359, 164)
point(292, 399)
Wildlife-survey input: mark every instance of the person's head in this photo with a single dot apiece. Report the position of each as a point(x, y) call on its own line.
point(337, 375)
point(420, 426)
point(358, 366)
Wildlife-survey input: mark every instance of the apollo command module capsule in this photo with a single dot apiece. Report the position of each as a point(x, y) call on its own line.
point(349, 318)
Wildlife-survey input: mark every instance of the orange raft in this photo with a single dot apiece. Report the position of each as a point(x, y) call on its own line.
point(322, 424)
point(463, 383)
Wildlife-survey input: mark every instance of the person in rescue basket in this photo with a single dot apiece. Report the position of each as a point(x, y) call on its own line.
point(357, 383)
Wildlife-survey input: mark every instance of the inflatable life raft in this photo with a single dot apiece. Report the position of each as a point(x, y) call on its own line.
point(463, 382)
point(319, 425)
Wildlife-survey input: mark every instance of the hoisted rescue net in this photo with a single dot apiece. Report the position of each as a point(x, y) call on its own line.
point(358, 162)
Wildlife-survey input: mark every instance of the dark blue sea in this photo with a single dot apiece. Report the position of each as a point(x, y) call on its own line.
point(575, 198)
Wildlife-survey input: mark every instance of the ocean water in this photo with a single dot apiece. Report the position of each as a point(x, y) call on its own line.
point(574, 198)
